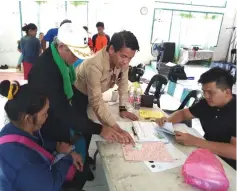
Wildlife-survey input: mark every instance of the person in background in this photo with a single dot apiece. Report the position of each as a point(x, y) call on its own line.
point(54, 76)
point(100, 73)
point(21, 56)
point(41, 38)
point(90, 43)
point(51, 34)
point(101, 39)
point(30, 48)
point(22, 163)
point(217, 114)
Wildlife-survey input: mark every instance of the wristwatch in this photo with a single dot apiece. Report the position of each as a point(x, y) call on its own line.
point(122, 108)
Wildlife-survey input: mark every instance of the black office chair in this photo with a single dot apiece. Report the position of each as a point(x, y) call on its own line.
point(159, 81)
point(197, 95)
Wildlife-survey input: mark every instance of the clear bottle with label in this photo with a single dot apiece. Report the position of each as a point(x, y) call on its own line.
point(137, 99)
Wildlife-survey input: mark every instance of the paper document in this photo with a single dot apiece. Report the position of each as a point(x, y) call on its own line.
point(167, 128)
point(185, 129)
point(149, 151)
point(148, 132)
point(177, 156)
point(150, 114)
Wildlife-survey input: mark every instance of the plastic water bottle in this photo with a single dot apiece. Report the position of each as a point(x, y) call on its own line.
point(137, 99)
point(131, 95)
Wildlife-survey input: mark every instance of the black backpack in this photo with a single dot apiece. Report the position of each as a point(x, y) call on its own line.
point(135, 72)
point(177, 73)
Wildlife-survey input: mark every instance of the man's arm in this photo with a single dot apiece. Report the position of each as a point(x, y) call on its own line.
point(65, 112)
point(123, 88)
point(180, 116)
point(48, 83)
point(227, 150)
point(95, 97)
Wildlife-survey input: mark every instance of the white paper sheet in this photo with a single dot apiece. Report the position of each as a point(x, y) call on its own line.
point(178, 160)
point(167, 128)
point(185, 129)
point(148, 131)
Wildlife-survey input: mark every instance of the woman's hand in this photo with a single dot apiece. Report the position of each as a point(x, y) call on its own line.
point(77, 161)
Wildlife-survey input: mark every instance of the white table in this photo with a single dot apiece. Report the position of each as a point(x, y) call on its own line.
point(135, 176)
point(190, 55)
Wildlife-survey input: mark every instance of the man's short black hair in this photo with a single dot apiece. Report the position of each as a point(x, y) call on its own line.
point(123, 39)
point(223, 79)
point(65, 21)
point(100, 24)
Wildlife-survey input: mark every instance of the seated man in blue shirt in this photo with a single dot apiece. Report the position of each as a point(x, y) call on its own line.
point(49, 37)
point(217, 114)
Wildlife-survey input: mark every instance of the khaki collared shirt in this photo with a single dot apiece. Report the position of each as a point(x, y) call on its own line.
point(94, 77)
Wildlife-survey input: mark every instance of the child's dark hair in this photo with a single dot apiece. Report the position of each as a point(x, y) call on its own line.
point(28, 27)
point(100, 24)
point(123, 39)
point(21, 100)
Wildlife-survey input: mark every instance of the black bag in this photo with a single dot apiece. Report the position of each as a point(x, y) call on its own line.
point(177, 73)
point(136, 72)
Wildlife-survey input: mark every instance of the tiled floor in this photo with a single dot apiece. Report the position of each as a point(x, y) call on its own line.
point(100, 183)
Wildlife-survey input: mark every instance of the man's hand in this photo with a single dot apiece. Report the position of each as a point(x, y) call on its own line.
point(129, 115)
point(162, 121)
point(125, 137)
point(110, 134)
point(186, 139)
point(77, 161)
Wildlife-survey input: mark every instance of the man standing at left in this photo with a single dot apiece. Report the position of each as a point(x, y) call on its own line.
point(53, 76)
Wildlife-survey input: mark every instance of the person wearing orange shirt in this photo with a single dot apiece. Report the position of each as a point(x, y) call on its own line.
point(101, 39)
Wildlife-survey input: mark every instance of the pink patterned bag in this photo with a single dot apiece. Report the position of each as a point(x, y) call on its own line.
point(203, 170)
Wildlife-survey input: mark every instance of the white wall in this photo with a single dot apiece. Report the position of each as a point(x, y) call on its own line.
point(117, 15)
point(10, 32)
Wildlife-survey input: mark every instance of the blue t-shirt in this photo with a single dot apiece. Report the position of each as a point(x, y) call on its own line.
point(30, 48)
point(50, 35)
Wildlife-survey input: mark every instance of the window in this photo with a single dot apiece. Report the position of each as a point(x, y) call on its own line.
point(187, 28)
point(38, 12)
point(77, 11)
point(207, 3)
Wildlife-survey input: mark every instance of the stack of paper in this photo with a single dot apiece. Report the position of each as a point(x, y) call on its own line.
point(167, 128)
point(148, 132)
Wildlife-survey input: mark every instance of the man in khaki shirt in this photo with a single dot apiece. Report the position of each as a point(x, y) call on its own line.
point(100, 73)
